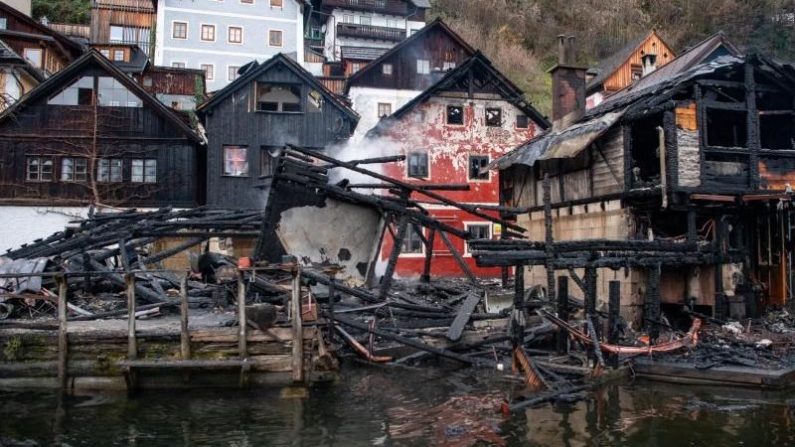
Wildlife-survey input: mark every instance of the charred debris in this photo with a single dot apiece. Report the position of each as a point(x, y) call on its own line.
point(558, 342)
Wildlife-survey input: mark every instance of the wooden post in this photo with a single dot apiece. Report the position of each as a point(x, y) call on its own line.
point(613, 315)
point(183, 310)
point(549, 240)
point(63, 341)
point(590, 296)
point(653, 304)
point(563, 313)
point(331, 293)
point(519, 320)
point(397, 246)
point(458, 258)
point(241, 316)
point(132, 342)
point(298, 330)
point(426, 269)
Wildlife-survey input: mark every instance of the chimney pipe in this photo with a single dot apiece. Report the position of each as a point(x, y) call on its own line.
point(571, 50)
point(562, 50)
point(649, 62)
point(568, 85)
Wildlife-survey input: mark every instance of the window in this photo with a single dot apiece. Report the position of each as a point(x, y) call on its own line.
point(448, 66)
point(144, 171)
point(79, 93)
point(118, 55)
point(726, 128)
point(235, 34)
point(33, 55)
point(355, 66)
point(384, 109)
point(236, 161)
point(494, 117)
point(208, 33)
point(392, 23)
point(131, 34)
point(109, 170)
point(386, 69)
point(232, 72)
point(247, 2)
point(275, 38)
point(314, 101)
point(365, 20)
point(380, 4)
point(105, 53)
point(412, 244)
point(39, 169)
point(179, 30)
point(277, 3)
point(74, 169)
point(209, 71)
point(522, 122)
point(347, 18)
point(116, 33)
point(278, 97)
point(113, 93)
point(477, 231)
point(418, 165)
point(455, 115)
point(3, 23)
point(476, 163)
point(423, 66)
point(178, 64)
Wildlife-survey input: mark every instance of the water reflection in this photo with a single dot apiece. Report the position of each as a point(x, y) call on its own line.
point(402, 407)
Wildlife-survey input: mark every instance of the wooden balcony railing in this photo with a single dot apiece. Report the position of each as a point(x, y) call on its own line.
point(370, 32)
point(396, 7)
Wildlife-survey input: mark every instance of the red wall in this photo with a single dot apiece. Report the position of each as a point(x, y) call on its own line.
point(448, 148)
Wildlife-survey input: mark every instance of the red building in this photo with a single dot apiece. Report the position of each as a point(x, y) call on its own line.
point(469, 117)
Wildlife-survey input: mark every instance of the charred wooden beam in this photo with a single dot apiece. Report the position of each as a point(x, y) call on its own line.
point(458, 258)
point(752, 123)
point(397, 246)
point(614, 308)
point(548, 239)
point(563, 314)
point(426, 269)
point(652, 304)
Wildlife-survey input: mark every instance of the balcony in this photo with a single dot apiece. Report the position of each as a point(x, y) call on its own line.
point(394, 7)
point(370, 32)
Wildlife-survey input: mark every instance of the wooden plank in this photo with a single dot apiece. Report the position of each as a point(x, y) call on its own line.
point(132, 342)
point(183, 317)
point(463, 315)
point(241, 315)
point(458, 258)
point(63, 344)
point(298, 347)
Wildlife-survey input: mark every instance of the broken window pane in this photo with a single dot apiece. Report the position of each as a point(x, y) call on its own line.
point(235, 161)
point(494, 117)
point(278, 97)
point(412, 244)
point(478, 231)
point(726, 128)
point(455, 115)
point(418, 165)
point(776, 130)
point(476, 163)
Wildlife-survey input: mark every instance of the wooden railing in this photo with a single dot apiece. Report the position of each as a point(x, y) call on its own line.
point(384, 6)
point(370, 32)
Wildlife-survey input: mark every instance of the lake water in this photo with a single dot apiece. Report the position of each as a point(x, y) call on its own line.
point(377, 406)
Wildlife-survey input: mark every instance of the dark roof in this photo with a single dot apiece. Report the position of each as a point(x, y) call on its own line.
point(506, 88)
point(437, 23)
point(609, 65)
point(421, 3)
point(696, 55)
point(9, 57)
point(60, 79)
point(255, 70)
point(69, 45)
point(362, 53)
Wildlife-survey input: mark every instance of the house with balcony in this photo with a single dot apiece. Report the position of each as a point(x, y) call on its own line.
point(128, 22)
point(221, 36)
point(340, 26)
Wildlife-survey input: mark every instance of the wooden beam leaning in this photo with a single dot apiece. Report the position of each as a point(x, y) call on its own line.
point(458, 258)
point(397, 246)
point(426, 269)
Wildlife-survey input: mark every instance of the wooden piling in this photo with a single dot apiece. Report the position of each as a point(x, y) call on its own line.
point(241, 315)
point(653, 304)
point(613, 315)
point(63, 341)
point(183, 311)
point(549, 239)
point(519, 321)
point(298, 331)
point(563, 313)
point(132, 342)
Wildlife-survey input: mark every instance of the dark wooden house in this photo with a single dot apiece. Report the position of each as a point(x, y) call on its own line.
point(43, 48)
point(697, 159)
point(91, 134)
point(267, 106)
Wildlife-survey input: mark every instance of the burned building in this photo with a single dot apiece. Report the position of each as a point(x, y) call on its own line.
point(267, 106)
point(696, 158)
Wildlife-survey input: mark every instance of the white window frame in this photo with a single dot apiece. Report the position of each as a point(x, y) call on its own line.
point(408, 160)
point(369, 20)
point(144, 179)
point(478, 180)
point(187, 30)
point(223, 161)
point(229, 37)
point(229, 72)
point(348, 18)
point(212, 71)
point(422, 63)
point(201, 31)
point(378, 109)
point(421, 254)
point(481, 223)
point(184, 64)
point(117, 51)
point(269, 37)
point(386, 72)
point(41, 56)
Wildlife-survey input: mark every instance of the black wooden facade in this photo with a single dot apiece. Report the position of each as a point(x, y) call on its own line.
point(61, 155)
point(235, 118)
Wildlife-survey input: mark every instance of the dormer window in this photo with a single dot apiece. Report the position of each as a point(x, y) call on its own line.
point(283, 98)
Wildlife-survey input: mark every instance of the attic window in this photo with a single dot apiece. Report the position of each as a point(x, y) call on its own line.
point(455, 115)
point(522, 122)
point(278, 97)
point(386, 69)
point(79, 93)
point(494, 117)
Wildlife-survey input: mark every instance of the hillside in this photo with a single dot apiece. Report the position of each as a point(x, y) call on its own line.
point(519, 35)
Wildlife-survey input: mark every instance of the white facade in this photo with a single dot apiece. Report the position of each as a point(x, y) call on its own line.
point(334, 43)
point(24, 224)
point(219, 36)
point(365, 101)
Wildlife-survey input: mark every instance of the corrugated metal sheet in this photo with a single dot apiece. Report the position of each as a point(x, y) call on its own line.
point(19, 285)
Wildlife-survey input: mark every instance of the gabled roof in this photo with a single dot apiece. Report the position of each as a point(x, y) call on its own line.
point(92, 57)
point(67, 44)
point(362, 53)
point(254, 72)
point(421, 3)
point(697, 54)
point(9, 57)
point(609, 65)
point(507, 89)
point(436, 24)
